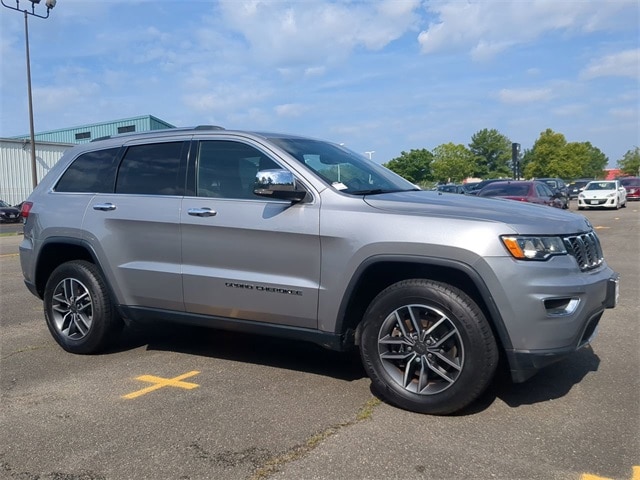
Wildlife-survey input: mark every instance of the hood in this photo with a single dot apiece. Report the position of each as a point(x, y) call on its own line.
point(524, 218)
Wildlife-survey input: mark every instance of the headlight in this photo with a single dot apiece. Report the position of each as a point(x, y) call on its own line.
point(534, 248)
point(612, 194)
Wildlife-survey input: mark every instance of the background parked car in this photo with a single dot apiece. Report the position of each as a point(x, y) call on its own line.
point(576, 187)
point(450, 188)
point(603, 193)
point(524, 191)
point(632, 186)
point(8, 213)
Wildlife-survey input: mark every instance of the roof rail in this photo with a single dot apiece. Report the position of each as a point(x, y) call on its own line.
point(173, 129)
point(208, 127)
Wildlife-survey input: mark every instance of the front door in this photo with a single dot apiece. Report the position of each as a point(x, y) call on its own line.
point(244, 256)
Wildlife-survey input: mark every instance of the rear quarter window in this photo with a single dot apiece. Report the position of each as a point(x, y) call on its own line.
point(91, 172)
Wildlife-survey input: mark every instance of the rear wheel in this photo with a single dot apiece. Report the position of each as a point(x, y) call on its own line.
point(427, 347)
point(78, 308)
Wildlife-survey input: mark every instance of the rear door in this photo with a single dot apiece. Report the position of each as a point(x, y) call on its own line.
point(136, 230)
point(244, 256)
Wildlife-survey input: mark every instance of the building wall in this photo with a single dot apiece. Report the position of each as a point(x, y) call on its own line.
point(15, 166)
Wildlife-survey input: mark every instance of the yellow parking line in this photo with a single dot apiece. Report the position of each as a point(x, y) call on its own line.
point(635, 475)
point(159, 382)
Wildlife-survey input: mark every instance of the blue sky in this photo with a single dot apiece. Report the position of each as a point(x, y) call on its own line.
point(384, 76)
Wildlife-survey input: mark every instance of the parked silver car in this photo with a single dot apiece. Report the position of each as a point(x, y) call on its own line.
point(301, 238)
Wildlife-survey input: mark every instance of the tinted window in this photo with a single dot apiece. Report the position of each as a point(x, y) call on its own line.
point(228, 169)
point(91, 172)
point(505, 190)
point(152, 170)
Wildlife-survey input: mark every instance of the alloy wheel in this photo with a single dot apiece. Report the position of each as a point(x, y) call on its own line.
point(421, 349)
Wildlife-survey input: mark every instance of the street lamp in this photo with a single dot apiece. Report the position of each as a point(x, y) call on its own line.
point(49, 4)
point(370, 153)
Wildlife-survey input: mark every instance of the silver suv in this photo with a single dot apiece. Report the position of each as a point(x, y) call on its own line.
point(304, 239)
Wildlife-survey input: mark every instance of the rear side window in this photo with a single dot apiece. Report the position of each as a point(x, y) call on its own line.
point(153, 169)
point(92, 172)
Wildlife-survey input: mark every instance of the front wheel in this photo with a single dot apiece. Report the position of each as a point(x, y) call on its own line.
point(427, 347)
point(78, 308)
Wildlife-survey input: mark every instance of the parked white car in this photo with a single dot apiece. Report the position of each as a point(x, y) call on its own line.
point(603, 193)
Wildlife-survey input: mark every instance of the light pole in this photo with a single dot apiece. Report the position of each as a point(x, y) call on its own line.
point(370, 153)
point(49, 4)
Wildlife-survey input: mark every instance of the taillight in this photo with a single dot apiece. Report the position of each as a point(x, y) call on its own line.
point(26, 208)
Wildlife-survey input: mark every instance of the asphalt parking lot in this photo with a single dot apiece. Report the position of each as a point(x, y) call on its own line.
point(188, 403)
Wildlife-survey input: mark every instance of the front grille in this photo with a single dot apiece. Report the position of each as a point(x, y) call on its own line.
point(585, 249)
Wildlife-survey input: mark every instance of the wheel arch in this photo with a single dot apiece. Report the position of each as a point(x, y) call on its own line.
point(58, 250)
point(379, 272)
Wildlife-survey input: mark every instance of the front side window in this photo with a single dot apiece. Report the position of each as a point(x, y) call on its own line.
point(343, 169)
point(227, 169)
point(91, 172)
point(153, 169)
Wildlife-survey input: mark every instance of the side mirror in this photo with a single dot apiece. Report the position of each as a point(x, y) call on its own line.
point(278, 183)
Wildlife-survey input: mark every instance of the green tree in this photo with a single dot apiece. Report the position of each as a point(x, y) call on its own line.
point(553, 156)
point(629, 164)
point(452, 163)
point(492, 152)
point(595, 164)
point(415, 165)
point(546, 156)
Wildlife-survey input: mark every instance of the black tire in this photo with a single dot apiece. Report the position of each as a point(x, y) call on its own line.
point(78, 308)
point(427, 347)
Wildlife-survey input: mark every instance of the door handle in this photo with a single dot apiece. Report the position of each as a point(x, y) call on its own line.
point(202, 212)
point(105, 207)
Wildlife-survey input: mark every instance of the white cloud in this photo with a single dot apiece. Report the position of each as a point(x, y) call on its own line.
point(489, 27)
point(621, 64)
point(524, 95)
point(624, 113)
point(571, 110)
point(290, 110)
point(300, 33)
point(224, 98)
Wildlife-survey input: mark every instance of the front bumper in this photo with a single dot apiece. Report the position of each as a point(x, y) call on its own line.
point(610, 202)
point(524, 364)
point(547, 310)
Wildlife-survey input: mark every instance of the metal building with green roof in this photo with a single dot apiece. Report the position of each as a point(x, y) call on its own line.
point(86, 133)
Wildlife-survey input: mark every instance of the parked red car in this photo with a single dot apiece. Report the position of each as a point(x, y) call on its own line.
point(632, 186)
point(524, 191)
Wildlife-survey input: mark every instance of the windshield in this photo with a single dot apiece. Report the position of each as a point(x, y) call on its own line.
point(343, 169)
point(601, 186)
point(3, 204)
